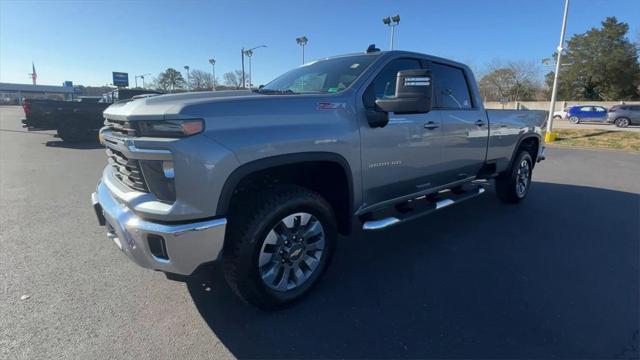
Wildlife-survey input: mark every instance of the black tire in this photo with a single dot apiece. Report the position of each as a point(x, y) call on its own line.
point(622, 122)
point(251, 219)
point(507, 183)
point(574, 120)
point(72, 134)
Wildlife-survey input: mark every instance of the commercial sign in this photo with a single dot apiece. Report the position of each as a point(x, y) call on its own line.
point(120, 79)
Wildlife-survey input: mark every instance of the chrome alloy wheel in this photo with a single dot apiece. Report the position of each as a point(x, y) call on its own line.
point(522, 178)
point(622, 122)
point(291, 251)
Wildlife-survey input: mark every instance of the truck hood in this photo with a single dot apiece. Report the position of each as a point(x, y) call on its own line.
point(170, 106)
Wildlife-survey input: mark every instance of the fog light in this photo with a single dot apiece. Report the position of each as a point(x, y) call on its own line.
point(157, 247)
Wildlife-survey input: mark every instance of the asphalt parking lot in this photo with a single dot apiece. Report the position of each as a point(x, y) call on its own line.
point(557, 276)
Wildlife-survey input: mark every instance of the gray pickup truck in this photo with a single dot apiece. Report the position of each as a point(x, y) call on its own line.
point(266, 180)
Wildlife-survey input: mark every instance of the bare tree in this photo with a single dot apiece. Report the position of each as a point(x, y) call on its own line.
point(169, 80)
point(513, 81)
point(200, 80)
point(233, 79)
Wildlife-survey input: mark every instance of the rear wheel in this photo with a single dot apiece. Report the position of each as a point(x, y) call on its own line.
point(574, 120)
point(278, 245)
point(513, 185)
point(622, 122)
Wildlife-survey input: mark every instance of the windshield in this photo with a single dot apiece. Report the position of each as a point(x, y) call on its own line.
point(321, 77)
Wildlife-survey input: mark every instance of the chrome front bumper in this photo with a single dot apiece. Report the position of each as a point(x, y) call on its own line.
point(187, 245)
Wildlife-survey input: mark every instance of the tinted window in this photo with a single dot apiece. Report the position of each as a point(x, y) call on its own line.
point(385, 82)
point(451, 89)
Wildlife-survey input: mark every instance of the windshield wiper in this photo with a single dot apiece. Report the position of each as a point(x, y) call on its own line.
point(275, 91)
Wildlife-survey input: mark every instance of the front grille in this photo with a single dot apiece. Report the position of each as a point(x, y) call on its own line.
point(121, 127)
point(127, 171)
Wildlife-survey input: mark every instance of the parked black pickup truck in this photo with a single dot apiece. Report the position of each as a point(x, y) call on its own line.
point(75, 120)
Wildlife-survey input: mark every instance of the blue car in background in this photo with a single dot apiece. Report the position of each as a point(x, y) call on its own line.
point(580, 113)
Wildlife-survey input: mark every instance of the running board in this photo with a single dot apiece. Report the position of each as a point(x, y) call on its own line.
point(432, 206)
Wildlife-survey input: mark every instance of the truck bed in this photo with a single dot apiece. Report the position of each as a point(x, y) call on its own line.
point(505, 126)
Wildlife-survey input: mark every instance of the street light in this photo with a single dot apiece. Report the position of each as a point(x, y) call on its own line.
point(302, 41)
point(248, 53)
point(186, 67)
point(213, 72)
point(548, 137)
point(141, 77)
point(392, 22)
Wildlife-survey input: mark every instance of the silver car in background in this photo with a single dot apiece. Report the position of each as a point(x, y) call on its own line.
point(624, 115)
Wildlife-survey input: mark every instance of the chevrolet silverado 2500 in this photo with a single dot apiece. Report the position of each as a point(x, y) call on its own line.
point(266, 180)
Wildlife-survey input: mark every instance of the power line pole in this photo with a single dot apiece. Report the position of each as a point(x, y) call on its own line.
point(549, 137)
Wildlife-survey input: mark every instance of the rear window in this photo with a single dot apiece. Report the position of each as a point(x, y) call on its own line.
point(451, 88)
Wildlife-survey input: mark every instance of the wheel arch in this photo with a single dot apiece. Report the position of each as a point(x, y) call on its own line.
point(295, 168)
point(530, 142)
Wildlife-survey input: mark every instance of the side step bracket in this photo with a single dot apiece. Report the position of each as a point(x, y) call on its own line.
point(422, 206)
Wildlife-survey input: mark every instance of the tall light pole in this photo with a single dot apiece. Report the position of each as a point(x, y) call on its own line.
point(142, 77)
point(302, 41)
point(549, 135)
point(249, 53)
point(242, 53)
point(213, 72)
point(186, 67)
point(392, 22)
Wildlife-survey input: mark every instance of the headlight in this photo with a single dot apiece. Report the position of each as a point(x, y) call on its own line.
point(170, 128)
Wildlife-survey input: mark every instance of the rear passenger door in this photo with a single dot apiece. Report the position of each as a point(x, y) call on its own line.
point(465, 128)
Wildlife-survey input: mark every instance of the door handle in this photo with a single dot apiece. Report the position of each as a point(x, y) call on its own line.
point(431, 125)
point(480, 122)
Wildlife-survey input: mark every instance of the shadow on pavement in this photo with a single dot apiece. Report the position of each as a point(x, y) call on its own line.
point(478, 280)
point(86, 145)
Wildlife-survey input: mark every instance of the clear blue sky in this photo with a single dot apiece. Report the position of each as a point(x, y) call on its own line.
point(85, 41)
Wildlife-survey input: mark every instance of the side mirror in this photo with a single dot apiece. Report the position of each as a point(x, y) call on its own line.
point(413, 93)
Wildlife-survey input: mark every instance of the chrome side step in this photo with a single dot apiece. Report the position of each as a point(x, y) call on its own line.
point(437, 205)
point(380, 224)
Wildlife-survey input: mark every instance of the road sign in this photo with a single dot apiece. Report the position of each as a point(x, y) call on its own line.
point(120, 79)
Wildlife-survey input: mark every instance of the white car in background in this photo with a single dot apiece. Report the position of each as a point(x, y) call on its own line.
point(561, 114)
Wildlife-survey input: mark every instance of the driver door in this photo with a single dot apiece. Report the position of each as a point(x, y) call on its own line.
point(402, 157)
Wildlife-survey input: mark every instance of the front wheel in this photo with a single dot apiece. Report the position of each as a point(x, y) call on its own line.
point(574, 120)
point(622, 122)
point(513, 185)
point(278, 245)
